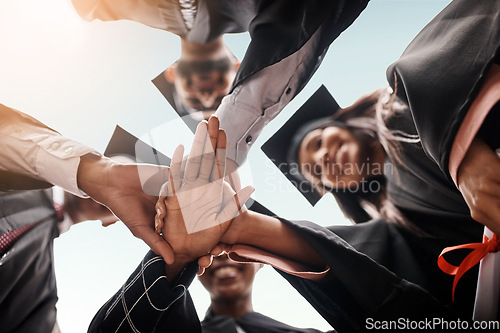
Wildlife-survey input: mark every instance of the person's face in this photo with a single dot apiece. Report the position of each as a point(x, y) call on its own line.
point(226, 279)
point(201, 85)
point(334, 157)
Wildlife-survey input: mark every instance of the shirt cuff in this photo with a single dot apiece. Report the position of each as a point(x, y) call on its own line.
point(30, 148)
point(57, 162)
point(487, 97)
point(245, 253)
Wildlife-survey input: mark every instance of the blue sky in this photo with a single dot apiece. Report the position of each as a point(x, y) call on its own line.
point(83, 78)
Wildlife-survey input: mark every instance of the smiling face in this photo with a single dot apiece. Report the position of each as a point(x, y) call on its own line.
point(334, 157)
point(228, 280)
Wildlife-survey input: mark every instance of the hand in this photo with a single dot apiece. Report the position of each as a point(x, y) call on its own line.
point(126, 190)
point(478, 179)
point(196, 207)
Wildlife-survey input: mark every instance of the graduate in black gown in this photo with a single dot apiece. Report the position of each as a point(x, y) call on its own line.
point(230, 287)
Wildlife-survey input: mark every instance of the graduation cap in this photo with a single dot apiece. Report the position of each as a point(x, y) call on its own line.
point(168, 91)
point(320, 105)
point(123, 143)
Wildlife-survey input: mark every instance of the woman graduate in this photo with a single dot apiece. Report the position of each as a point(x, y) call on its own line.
point(445, 176)
point(359, 283)
point(342, 153)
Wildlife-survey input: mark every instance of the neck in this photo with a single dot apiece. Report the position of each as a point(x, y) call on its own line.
point(194, 51)
point(234, 308)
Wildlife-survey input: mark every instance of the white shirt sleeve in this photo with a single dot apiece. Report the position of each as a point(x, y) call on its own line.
point(260, 98)
point(29, 148)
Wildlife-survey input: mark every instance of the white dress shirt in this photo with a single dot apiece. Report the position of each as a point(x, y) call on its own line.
point(29, 148)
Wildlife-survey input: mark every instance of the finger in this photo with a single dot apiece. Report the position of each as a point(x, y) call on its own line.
point(213, 130)
point(158, 224)
point(107, 223)
point(205, 261)
point(164, 188)
point(234, 205)
point(183, 166)
point(194, 157)
point(208, 158)
point(176, 168)
point(160, 213)
point(161, 208)
point(219, 167)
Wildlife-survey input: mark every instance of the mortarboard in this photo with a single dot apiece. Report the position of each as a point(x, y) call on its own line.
point(320, 105)
point(123, 143)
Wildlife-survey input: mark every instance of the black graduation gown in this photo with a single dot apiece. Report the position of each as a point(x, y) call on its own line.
point(278, 28)
point(395, 273)
point(441, 71)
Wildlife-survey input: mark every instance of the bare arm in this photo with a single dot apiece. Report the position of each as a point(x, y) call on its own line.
point(270, 234)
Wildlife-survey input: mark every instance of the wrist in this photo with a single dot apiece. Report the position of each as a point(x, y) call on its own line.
point(173, 270)
point(92, 172)
point(235, 234)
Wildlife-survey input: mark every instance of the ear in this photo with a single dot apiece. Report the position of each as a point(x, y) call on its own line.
point(170, 72)
point(237, 65)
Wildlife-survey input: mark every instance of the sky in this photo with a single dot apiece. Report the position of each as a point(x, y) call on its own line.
point(84, 78)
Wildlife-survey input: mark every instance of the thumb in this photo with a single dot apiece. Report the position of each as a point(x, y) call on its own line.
point(159, 246)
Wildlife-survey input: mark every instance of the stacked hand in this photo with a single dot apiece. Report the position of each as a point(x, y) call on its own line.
point(197, 205)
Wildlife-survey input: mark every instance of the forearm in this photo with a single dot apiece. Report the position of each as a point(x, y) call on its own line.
point(32, 149)
point(174, 270)
point(270, 234)
point(93, 174)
